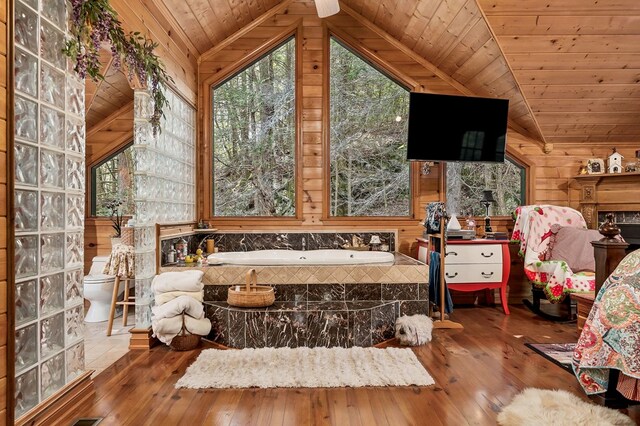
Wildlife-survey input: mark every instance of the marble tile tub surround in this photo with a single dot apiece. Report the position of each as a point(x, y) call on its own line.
point(249, 241)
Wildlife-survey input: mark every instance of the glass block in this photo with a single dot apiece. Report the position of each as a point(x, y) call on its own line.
point(75, 361)
point(26, 118)
point(55, 11)
point(73, 288)
point(143, 104)
point(26, 72)
point(51, 293)
point(51, 168)
point(52, 42)
point(143, 315)
point(143, 133)
point(74, 323)
point(51, 127)
point(26, 29)
point(75, 96)
point(75, 135)
point(32, 3)
point(26, 347)
point(144, 238)
point(75, 248)
point(51, 335)
point(25, 301)
point(75, 173)
point(75, 211)
point(26, 210)
point(26, 256)
point(26, 167)
point(52, 375)
point(52, 85)
point(145, 264)
point(26, 396)
point(52, 211)
point(51, 252)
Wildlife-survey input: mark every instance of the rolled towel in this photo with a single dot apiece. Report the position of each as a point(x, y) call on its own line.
point(180, 304)
point(163, 298)
point(168, 328)
point(178, 281)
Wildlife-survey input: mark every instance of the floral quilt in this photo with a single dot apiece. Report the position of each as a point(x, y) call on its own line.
point(611, 335)
point(533, 231)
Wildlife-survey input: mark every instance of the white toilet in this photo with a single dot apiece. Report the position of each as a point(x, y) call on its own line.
point(98, 289)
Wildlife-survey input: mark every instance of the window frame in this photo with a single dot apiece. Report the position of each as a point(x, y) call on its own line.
point(92, 199)
point(205, 176)
point(414, 173)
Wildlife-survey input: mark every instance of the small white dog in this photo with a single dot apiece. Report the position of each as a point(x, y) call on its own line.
point(414, 330)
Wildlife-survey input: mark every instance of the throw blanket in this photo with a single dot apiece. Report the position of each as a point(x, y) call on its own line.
point(178, 281)
point(610, 338)
point(163, 298)
point(177, 306)
point(434, 283)
point(168, 328)
point(121, 262)
point(533, 229)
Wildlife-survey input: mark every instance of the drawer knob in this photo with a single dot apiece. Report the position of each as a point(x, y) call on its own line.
point(485, 275)
point(452, 253)
point(451, 276)
point(486, 255)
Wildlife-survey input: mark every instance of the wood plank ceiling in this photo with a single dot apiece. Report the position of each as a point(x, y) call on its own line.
point(571, 68)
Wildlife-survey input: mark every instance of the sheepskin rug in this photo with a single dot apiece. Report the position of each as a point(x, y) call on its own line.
point(414, 330)
point(305, 368)
point(558, 408)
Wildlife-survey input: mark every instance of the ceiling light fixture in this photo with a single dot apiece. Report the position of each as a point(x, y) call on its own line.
point(327, 7)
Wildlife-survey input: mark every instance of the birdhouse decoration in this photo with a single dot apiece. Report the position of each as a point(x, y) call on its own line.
point(614, 164)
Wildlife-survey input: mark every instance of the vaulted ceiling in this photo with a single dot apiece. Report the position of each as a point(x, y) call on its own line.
point(570, 68)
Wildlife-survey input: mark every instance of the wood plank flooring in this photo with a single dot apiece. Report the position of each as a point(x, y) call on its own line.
point(477, 371)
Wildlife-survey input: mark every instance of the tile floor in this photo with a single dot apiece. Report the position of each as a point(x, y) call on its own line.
point(101, 351)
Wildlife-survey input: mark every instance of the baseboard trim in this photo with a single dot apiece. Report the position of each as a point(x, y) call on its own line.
point(141, 339)
point(66, 399)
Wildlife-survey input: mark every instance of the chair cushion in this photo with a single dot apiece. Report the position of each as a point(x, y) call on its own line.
point(573, 246)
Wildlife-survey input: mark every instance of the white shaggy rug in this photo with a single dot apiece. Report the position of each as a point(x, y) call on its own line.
point(305, 368)
point(536, 407)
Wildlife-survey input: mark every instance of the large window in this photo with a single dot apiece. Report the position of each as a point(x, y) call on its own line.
point(466, 181)
point(112, 180)
point(254, 138)
point(369, 170)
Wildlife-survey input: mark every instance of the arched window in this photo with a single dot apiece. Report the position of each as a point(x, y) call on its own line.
point(368, 140)
point(253, 127)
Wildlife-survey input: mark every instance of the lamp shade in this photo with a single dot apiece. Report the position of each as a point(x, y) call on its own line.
point(327, 7)
point(487, 197)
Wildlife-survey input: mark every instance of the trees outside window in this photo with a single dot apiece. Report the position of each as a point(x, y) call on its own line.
point(368, 131)
point(254, 138)
point(466, 181)
point(112, 179)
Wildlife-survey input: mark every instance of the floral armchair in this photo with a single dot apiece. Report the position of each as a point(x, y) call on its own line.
point(552, 279)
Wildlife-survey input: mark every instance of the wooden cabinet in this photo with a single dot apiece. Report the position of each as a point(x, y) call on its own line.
point(472, 265)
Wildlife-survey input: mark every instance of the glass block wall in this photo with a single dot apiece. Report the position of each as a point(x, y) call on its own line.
point(164, 184)
point(49, 205)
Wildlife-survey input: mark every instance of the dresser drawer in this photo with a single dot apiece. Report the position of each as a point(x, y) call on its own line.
point(468, 253)
point(477, 273)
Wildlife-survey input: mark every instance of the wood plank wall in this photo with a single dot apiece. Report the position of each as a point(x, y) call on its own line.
point(6, 322)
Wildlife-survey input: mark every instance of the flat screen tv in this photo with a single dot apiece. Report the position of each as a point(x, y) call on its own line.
point(456, 128)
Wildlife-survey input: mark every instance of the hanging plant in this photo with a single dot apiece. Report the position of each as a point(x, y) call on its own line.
point(93, 23)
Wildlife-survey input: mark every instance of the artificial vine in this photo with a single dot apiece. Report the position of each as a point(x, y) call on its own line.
point(94, 22)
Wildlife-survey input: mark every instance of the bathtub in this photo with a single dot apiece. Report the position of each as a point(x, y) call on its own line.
point(298, 257)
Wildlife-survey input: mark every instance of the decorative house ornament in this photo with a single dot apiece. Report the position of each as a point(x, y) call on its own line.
point(615, 162)
point(595, 166)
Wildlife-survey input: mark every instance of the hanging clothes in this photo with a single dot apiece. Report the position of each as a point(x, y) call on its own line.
point(435, 211)
point(434, 283)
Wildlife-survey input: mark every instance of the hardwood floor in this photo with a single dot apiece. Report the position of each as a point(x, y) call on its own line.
point(477, 371)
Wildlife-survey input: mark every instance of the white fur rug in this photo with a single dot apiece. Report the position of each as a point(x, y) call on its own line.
point(305, 368)
point(536, 407)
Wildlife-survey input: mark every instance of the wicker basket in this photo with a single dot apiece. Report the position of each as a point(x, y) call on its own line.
point(127, 235)
point(185, 341)
point(252, 295)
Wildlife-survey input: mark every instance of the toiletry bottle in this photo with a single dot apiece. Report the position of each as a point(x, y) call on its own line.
point(171, 257)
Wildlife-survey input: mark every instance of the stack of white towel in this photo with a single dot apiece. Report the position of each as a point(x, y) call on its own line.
point(177, 293)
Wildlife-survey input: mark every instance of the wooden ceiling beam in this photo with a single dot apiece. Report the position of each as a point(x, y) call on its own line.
point(160, 7)
point(110, 119)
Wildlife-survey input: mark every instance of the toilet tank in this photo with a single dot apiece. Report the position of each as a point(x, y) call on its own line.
point(97, 265)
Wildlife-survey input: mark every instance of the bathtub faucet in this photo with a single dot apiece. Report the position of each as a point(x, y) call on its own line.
point(304, 244)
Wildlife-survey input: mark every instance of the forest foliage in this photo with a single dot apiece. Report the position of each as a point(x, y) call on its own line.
point(114, 182)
